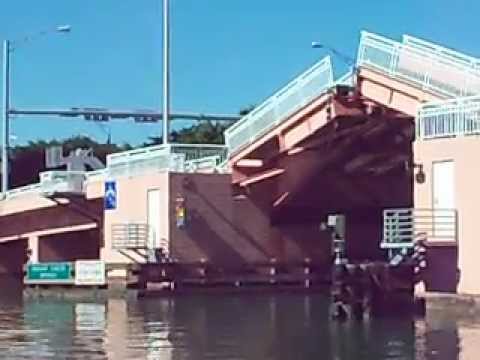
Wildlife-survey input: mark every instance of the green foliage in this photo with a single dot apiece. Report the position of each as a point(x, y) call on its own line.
point(204, 132)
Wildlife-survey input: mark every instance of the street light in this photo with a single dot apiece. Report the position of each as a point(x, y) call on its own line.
point(345, 58)
point(7, 49)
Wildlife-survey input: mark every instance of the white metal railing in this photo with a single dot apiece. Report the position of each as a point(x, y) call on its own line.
point(296, 94)
point(50, 182)
point(208, 163)
point(130, 236)
point(427, 67)
point(24, 190)
point(173, 157)
point(454, 56)
point(96, 175)
point(191, 151)
point(347, 79)
point(402, 228)
point(62, 181)
point(137, 236)
point(453, 117)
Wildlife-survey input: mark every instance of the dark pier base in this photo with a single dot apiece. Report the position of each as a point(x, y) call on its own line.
point(372, 289)
point(178, 277)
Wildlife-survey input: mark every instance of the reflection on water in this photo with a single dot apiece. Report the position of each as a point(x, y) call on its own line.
point(220, 327)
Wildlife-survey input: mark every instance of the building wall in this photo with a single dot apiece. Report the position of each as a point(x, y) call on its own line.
point(464, 151)
point(132, 208)
point(230, 232)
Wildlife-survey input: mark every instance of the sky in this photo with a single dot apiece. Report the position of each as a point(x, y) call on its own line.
point(226, 54)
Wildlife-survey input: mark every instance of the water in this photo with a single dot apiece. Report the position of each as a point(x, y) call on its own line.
point(221, 327)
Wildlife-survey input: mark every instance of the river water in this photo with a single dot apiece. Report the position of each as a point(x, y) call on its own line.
point(283, 326)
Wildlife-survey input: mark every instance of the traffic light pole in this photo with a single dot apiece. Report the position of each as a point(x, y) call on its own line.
point(166, 71)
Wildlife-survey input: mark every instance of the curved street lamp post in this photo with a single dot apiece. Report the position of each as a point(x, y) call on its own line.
point(7, 49)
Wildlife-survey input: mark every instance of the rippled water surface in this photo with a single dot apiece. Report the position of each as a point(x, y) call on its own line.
point(220, 327)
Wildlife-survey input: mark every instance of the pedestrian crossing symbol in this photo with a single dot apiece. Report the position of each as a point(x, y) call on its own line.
point(110, 199)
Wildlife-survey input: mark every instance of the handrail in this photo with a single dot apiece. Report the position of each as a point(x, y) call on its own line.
point(448, 118)
point(130, 236)
point(434, 71)
point(296, 94)
point(403, 227)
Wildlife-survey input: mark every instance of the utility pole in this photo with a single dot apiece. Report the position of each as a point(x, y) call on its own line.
point(5, 115)
point(166, 71)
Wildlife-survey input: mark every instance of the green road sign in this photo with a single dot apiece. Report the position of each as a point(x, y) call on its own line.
point(50, 272)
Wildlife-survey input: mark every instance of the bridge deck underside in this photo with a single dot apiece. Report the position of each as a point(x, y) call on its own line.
point(74, 213)
point(357, 159)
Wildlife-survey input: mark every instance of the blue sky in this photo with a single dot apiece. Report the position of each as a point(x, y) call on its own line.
point(226, 54)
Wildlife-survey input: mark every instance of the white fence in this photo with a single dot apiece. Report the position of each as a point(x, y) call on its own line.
point(298, 93)
point(426, 65)
point(454, 117)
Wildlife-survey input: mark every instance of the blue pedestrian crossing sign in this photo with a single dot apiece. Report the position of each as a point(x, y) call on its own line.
point(110, 199)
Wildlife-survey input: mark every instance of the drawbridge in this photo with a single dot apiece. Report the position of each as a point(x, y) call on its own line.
point(321, 146)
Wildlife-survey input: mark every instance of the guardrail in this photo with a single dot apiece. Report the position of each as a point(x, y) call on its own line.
point(270, 113)
point(402, 228)
point(454, 117)
point(428, 67)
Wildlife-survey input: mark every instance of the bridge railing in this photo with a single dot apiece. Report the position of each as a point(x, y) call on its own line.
point(174, 157)
point(209, 163)
point(296, 94)
point(452, 55)
point(52, 182)
point(453, 117)
point(63, 181)
point(426, 67)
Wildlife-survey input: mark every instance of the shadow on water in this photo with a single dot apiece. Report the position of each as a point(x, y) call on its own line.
point(220, 327)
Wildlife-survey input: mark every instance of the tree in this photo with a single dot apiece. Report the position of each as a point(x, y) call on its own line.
point(203, 132)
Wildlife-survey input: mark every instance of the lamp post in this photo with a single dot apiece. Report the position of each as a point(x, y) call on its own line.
point(166, 71)
point(345, 58)
point(7, 49)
